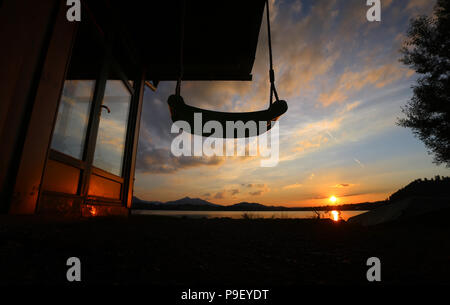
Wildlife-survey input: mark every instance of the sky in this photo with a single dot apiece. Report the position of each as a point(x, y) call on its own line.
point(345, 87)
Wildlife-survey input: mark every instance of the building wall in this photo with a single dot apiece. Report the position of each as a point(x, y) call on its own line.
point(36, 41)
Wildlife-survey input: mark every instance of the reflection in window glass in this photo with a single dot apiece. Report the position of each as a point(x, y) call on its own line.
point(109, 150)
point(73, 117)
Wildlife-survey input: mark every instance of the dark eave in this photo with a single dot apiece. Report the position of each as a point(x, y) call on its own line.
point(219, 43)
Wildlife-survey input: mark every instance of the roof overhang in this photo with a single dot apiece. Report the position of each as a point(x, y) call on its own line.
point(220, 37)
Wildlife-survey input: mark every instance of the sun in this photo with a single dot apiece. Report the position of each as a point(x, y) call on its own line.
point(333, 199)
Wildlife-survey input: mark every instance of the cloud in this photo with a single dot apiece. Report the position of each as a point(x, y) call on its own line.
point(320, 126)
point(314, 135)
point(255, 185)
point(351, 82)
point(298, 64)
point(161, 161)
point(340, 196)
point(292, 186)
point(386, 3)
point(417, 4)
point(297, 6)
point(315, 142)
point(359, 163)
point(349, 107)
point(334, 96)
point(219, 195)
point(257, 193)
point(343, 185)
point(234, 192)
point(261, 188)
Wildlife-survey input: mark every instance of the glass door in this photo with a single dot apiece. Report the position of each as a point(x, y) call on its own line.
point(91, 137)
point(72, 121)
point(112, 131)
point(106, 180)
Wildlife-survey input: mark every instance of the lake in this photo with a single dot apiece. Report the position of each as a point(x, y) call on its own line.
point(250, 214)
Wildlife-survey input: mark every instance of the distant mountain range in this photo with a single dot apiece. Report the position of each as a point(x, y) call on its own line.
point(196, 204)
point(437, 187)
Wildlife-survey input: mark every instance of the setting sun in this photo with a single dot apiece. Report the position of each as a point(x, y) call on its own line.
point(333, 199)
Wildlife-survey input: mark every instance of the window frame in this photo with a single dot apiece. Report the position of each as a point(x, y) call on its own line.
point(85, 164)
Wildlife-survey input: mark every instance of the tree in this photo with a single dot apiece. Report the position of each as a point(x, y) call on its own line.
point(427, 51)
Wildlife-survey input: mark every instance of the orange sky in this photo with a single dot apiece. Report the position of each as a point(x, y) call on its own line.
point(345, 88)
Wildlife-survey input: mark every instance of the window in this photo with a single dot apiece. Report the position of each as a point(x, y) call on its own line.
point(69, 135)
point(110, 147)
point(73, 117)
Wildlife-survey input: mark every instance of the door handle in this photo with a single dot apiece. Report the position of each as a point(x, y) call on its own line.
point(106, 107)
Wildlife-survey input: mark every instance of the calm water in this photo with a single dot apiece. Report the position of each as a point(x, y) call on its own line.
point(251, 214)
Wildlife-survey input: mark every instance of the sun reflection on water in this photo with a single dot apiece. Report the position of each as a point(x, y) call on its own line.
point(335, 215)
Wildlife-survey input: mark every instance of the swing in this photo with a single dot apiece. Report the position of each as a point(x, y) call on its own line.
point(180, 111)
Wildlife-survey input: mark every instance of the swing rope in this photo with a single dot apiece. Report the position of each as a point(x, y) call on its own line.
point(273, 90)
point(181, 64)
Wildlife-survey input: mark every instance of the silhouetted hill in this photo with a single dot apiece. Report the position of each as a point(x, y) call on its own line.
point(185, 203)
point(191, 201)
point(197, 204)
point(437, 187)
point(249, 206)
point(139, 204)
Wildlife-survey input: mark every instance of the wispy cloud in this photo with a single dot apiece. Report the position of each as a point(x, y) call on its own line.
point(351, 82)
point(219, 195)
point(359, 163)
point(292, 186)
point(162, 161)
point(343, 185)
